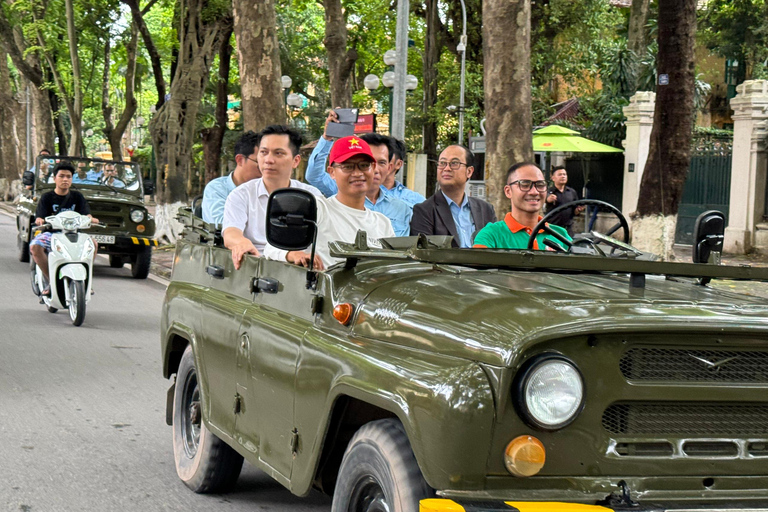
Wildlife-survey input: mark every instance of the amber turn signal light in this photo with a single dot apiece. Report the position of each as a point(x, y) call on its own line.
point(524, 456)
point(140, 228)
point(343, 313)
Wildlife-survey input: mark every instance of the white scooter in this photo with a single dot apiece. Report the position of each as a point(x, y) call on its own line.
point(70, 265)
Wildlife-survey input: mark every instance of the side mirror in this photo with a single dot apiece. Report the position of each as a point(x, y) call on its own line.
point(149, 187)
point(291, 219)
point(28, 178)
point(708, 237)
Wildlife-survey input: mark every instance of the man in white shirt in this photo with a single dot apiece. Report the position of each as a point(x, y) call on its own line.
point(340, 217)
point(245, 211)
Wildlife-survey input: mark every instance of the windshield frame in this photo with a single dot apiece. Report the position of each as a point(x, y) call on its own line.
point(134, 187)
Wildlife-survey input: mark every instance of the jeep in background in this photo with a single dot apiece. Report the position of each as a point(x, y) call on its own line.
point(468, 379)
point(115, 194)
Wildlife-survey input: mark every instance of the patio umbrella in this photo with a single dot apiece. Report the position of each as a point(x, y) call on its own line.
point(555, 138)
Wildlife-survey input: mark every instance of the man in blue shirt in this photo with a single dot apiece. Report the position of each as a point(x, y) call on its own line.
point(394, 187)
point(450, 211)
point(247, 169)
point(377, 198)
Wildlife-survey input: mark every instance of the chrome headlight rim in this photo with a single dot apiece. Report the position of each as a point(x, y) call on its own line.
point(137, 215)
point(523, 377)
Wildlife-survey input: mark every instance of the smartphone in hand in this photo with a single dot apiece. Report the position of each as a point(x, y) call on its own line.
point(347, 115)
point(338, 130)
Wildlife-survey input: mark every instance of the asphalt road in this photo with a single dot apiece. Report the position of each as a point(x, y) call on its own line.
point(82, 419)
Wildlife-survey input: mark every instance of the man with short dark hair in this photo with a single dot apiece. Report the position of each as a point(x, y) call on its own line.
point(378, 198)
point(525, 187)
point(450, 211)
point(245, 211)
point(394, 187)
point(560, 194)
point(247, 169)
point(60, 199)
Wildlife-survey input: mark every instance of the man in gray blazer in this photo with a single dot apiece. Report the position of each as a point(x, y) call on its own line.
point(450, 211)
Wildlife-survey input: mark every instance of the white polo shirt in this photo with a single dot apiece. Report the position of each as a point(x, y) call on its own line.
point(246, 209)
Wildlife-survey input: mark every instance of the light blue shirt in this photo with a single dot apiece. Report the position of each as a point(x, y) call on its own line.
point(406, 195)
point(462, 218)
point(214, 198)
point(316, 174)
point(397, 211)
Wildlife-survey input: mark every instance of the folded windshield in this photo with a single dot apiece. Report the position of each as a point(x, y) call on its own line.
point(91, 173)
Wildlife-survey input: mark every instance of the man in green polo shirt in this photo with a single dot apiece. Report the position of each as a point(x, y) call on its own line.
point(526, 189)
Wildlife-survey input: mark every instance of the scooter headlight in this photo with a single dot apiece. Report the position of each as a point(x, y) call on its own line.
point(58, 247)
point(88, 248)
point(137, 216)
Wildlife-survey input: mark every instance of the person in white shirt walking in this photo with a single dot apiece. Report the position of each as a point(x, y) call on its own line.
point(340, 217)
point(245, 211)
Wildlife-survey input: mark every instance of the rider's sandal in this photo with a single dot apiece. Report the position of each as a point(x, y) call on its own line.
point(47, 292)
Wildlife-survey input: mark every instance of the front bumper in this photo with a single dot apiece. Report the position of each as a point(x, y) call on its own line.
point(445, 505)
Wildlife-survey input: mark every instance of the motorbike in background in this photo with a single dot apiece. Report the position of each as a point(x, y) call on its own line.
point(70, 265)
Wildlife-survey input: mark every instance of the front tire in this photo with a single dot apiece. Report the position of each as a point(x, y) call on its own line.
point(379, 472)
point(205, 463)
point(140, 263)
point(77, 302)
point(115, 261)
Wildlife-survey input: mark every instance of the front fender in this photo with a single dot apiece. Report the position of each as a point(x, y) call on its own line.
point(74, 271)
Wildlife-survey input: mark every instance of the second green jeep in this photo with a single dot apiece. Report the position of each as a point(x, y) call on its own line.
point(115, 195)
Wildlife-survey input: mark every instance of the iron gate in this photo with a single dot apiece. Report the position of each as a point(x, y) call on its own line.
point(707, 187)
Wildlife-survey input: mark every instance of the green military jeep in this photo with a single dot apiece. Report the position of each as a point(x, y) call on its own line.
point(459, 379)
point(115, 194)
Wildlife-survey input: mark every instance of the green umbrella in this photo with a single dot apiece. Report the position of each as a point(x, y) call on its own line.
point(560, 139)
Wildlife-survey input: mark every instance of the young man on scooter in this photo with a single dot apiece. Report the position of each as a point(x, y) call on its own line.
point(51, 203)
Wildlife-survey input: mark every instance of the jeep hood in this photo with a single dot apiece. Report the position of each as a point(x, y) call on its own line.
point(492, 315)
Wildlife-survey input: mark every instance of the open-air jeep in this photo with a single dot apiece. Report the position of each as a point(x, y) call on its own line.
point(115, 194)
point(485, 379)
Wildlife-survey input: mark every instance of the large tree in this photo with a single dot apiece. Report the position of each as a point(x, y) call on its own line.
point(669, 154)
point(341, 61)
point(11, 127)
point(507, 51)
point(114, 132)
point(259, 60)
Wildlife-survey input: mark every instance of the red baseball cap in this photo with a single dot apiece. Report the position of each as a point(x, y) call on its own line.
point(347, 147)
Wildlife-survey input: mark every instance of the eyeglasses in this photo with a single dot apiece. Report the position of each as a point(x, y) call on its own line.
point(454, 164)
point(525, 185)
point(349, 167)
point(252, 160)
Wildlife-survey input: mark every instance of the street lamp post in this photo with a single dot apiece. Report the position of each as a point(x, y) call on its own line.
point(286, 82)
point(462, 47)
point(401, 69)
point(371, 83)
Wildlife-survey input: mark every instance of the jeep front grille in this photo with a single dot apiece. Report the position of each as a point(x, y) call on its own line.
point(683, 365)
point(105, 207)
point(686, 419)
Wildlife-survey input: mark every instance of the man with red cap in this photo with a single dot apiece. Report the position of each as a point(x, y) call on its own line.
point(340, 217)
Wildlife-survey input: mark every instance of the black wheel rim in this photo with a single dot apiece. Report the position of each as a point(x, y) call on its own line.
point(191, 415)
point(368, 496)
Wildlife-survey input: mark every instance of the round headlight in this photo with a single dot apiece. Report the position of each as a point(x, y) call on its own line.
point(551, 392)
point(137, 215)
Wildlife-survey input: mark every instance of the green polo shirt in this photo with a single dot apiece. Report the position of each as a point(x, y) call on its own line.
point(510, 234)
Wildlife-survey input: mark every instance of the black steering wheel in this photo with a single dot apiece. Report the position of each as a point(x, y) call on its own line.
point(596, 238)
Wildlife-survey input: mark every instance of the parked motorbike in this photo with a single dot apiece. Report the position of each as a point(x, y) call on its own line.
point(70, 265)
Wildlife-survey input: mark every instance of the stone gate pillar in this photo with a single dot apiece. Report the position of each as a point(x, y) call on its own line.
point(639, 124)
point(748, 168)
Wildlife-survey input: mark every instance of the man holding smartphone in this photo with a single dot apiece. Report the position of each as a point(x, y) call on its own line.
point(377, 197)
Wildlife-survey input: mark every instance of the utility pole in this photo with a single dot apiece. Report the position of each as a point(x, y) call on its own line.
point(401, 69)
point(462, 47)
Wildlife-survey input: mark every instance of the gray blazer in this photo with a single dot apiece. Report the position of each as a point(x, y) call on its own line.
point(433, 217)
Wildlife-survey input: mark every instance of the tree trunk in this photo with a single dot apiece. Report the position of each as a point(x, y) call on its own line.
point(10, 166)
point(341, 62)
point(259, 59)
point(173, 126)
point(76, 114)
point(149, 44)
point(432, 48)
point(213, 136)
point(669, 154)
point(638, 17)
point(115, 133)
point(507, 82)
